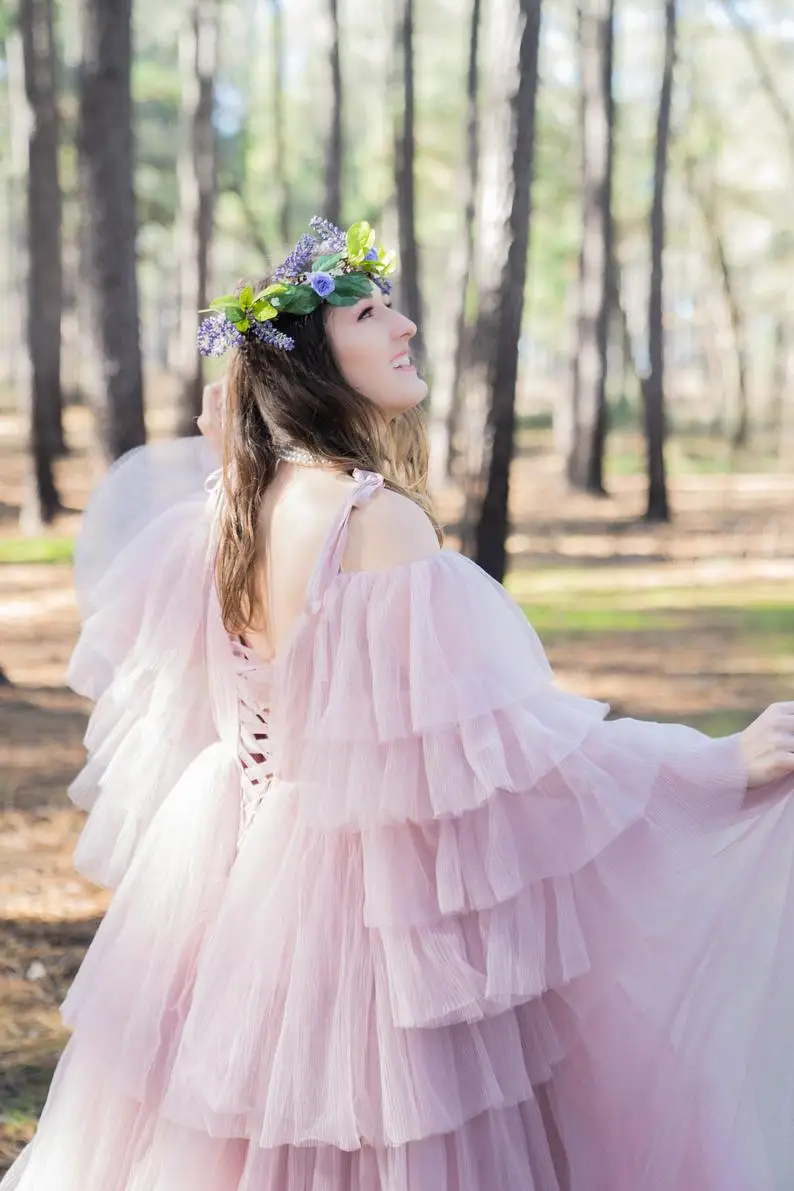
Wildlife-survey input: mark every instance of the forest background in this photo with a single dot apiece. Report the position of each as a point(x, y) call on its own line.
point(592, 207)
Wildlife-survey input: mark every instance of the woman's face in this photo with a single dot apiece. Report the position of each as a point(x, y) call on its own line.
point(372, 346)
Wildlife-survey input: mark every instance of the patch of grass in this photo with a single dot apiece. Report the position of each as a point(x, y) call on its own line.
point(23, 1090)
point(688, 457)
point(554, 618)
point(715, 723)
point(36, 550)
point(765, 628)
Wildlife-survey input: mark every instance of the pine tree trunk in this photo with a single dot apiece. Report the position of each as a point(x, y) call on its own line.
point(658, 508)
point(448, 381)
point(197, 186)
point(106, 162)
point(410, 290)
point(280, 181)
point(334, 148)
point(502, 312)
point(42, 253)
point(741, 431)
point(778, 381)
point(705, 198)
point(585, 461)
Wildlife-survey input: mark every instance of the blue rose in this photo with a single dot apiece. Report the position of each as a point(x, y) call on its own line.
point(322, 283)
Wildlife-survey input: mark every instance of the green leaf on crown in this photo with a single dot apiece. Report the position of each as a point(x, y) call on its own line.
point(243, 325)
point(278, 287)
point(234, 314)
point(336, 299)
point(353, 285)
point(246, 296)
point(324, 264)
point(224, 301)
point(263, 310)
point(299, 299)
point(360, 238)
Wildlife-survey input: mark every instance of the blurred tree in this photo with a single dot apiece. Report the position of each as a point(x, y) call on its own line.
point(281, 181)
point(658, 508)
point(197, 169)
point(404, 152)
point(449, 373)
point(765, 75)
point(588, 413)
point(43, 258)
point(334, 146)
point(108, 232)
point(704, 194)
point(504, 238)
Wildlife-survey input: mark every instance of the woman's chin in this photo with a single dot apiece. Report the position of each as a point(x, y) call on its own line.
point(414, 390)
point(407, 394)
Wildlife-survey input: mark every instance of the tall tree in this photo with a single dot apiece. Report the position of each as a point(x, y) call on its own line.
point(448, 382)
point(334, 146)
point(658, 507)
point(43, 257)
point(765, 76)
point(404, 167)
point(280, 181)
point(588, 419)
point(197, 169)
point(504, 236)
point(108, 233)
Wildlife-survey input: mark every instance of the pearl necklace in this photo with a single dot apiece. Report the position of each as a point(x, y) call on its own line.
point(299, 455)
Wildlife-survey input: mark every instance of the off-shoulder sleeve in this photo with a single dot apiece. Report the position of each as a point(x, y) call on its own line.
point(419, 709)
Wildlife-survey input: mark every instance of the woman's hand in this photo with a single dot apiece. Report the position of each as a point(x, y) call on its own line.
point(211, 419)
point(768, 745)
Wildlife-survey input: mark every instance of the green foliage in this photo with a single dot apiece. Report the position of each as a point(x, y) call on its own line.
point(36, 550)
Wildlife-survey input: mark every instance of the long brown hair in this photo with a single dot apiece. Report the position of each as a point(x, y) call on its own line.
point(274, 398)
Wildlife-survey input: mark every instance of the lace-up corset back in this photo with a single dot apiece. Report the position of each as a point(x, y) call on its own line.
point(254, 748)
point(255, 677)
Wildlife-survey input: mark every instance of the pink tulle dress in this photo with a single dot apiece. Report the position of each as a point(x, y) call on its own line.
point(396, 913)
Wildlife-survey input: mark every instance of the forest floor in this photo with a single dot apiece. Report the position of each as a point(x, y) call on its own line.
point(692, 621)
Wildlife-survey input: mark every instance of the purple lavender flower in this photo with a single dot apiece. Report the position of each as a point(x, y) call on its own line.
point(322, 283)
point(331, 237)
point(299, 260)
point(266, 333)
point(372, 255)
point(383, 284)
point(216, 336)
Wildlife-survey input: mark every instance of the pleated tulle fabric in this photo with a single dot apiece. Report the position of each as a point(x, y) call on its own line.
point(474, 936)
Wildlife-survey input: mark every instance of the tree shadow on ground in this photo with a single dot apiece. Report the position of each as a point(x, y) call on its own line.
point(38, 961)
point(42, 730)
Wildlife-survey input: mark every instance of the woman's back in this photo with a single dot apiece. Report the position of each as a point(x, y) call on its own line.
point(302, 514)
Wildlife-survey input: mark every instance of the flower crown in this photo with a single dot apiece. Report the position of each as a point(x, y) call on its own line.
point(326, 265)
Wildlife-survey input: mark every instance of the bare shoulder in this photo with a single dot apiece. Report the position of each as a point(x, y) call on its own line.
point(388, 531)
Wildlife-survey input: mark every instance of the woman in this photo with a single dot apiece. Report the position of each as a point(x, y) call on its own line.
point(393, 912)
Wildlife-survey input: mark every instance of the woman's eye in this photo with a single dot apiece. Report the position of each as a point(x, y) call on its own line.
point(365, 313)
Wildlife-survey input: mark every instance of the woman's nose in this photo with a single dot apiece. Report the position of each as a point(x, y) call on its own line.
point(406, 328)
